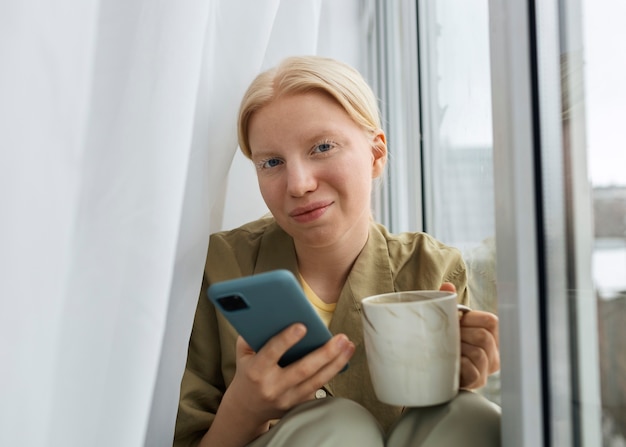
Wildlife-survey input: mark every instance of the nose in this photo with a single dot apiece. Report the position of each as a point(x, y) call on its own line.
point(301, 179)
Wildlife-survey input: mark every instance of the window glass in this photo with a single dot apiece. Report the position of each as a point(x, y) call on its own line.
point(457, 140)
point(605, 99)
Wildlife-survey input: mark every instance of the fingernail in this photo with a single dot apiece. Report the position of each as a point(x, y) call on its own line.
point(342, 340)
point(344, 343)
point(298, 329)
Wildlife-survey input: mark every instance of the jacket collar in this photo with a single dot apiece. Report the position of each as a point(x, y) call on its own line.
point(370, 275)
point(276, 251)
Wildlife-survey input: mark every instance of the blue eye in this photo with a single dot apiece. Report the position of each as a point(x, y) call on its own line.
point(271, 163)
point(323, 147)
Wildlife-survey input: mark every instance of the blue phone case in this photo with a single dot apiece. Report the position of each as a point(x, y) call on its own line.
point(262, 305)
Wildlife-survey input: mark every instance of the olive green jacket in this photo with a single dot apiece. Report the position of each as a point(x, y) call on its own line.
point(387, 263)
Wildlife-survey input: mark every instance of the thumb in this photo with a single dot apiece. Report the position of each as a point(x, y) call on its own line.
point(243, 348)
point(447, 287)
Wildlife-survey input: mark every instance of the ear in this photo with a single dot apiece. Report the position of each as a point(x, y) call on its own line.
point(379, 153)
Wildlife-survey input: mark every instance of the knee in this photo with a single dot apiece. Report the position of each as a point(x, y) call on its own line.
point(347, 415)
point(474, 409)
point(469, 420)
point(476, 418)
point(329, 421)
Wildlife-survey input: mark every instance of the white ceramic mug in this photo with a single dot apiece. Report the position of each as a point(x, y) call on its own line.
point(413, 346)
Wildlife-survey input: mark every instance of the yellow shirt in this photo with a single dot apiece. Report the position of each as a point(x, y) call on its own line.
point(324, 310)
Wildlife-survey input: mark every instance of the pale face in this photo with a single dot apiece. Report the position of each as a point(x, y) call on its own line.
point(315, 167)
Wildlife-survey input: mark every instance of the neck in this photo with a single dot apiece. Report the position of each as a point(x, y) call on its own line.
point(326, 268)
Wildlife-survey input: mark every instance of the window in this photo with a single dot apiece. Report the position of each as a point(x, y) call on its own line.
point(503, 123)
point(605, 107)
point(433, 76)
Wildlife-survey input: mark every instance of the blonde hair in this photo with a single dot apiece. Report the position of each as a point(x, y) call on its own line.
point(301, 74)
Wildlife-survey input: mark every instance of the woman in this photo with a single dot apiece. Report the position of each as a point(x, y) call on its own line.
point(312, 129)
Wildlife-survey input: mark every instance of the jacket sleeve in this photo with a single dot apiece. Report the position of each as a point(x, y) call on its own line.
point(422, 262)
point(211, 355)
point(202, 386)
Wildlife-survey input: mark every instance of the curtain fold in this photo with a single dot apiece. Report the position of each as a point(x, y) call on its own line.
point(117, 129)
point(231, 58)
point(46, 58)
point(146, 70)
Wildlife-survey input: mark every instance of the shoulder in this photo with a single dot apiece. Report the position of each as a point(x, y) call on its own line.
point(249, 233)
point(418, 260)
point(412, 244)
point(234, 252)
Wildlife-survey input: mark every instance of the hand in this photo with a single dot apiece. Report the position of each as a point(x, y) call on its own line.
point(262, 390)
point(480, 354)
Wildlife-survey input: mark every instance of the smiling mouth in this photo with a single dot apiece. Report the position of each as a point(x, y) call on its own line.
point(309, 213)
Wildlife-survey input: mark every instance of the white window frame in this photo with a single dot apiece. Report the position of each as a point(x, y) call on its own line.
point(526, 77)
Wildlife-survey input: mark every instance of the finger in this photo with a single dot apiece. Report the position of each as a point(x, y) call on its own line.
point(317, 368)
point(471, 376)
point(278, 345)
point(484, 320)
point(478, 343)
point(242, 347)
point(336, 352)
point(447, 287)
point(321, 365)
point(479, 336)
point(477, 355)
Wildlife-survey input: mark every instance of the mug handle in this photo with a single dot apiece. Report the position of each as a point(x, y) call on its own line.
point(462, 310)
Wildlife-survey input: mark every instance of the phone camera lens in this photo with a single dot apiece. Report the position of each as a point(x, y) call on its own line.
point(232, 303)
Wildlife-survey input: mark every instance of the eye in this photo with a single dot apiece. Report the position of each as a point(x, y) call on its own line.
point(269, 163)
point(323, 147)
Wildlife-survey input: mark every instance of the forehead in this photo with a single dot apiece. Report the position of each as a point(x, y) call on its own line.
point(306, 103)
point(299, 114)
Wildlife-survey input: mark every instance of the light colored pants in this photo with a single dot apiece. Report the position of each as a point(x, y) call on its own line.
point(469, 420)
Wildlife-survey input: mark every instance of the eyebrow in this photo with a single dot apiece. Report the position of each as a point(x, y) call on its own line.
point(324, 134)
point(327, 133)
point(262, 155)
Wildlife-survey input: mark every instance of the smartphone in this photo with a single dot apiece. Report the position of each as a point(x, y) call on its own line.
point(262, 305)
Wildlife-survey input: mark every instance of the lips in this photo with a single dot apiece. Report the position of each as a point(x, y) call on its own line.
point(309, 212)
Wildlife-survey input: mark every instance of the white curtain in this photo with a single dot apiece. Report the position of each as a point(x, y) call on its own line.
point(117, 129)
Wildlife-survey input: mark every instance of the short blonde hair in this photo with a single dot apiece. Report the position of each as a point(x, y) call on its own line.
point(301, 74)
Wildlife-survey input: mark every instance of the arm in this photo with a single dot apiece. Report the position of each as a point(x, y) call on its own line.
point(214, 410)
point(229, 393)
point(203, 383)
point(261, 390)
